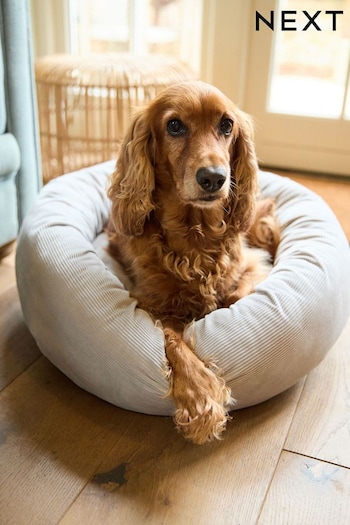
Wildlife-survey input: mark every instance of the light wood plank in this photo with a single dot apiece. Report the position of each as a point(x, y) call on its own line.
point(53, 438)
point(167, 480)
point(8, 253)
point(7, 269)
point(7, 277)
point(17, 347)
point(321, 426)
point(308, 492)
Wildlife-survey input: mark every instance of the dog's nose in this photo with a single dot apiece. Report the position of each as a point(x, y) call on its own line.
point(211, 179)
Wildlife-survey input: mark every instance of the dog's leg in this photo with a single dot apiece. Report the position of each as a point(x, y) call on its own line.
point(265, 232)
point(201, 397)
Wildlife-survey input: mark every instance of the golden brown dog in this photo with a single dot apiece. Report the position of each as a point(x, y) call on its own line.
point(184, 210)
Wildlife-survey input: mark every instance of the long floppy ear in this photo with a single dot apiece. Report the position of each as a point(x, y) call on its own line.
point(132, 183)
point(244, 171)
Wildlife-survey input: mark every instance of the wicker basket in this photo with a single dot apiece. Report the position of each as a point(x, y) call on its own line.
point(85, 104)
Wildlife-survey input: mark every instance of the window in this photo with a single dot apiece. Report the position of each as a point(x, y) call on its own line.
point(141, 27)
point(311, 67)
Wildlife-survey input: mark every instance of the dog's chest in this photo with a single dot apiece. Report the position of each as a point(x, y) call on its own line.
point(186, 281)
point(200, 282)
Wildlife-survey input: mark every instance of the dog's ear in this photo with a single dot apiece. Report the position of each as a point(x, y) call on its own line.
point(133, 182)
point(244, 172)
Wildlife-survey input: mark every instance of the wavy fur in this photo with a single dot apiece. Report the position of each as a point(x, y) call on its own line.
point(184, 245)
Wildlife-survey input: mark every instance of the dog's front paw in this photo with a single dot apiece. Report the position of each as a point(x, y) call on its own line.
point(204, 418)
point(202, 399)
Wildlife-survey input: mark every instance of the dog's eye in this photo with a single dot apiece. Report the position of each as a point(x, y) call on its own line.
point(226, 126)
point(175, 127)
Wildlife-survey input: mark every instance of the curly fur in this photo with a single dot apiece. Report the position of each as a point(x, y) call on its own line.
point(184, 246)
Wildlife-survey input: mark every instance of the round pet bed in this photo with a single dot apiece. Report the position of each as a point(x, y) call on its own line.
point(76, 304)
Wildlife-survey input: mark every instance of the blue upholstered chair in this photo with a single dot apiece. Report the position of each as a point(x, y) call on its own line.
point(20, 173)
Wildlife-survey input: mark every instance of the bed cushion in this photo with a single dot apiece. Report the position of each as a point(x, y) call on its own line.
point(76, 303)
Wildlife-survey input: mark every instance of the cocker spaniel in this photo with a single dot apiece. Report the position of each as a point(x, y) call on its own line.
point(184, 218)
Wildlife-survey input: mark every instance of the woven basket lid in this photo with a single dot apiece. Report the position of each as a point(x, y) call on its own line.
point(110, 70)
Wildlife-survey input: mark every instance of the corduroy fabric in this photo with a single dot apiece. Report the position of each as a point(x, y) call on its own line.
point(76, 305)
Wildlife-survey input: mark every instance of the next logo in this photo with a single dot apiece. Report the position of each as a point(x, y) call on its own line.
point(289, 23)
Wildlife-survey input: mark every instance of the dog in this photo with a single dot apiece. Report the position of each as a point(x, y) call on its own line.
point(185, 219)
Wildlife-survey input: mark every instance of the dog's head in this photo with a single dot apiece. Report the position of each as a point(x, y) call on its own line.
point(193, 144)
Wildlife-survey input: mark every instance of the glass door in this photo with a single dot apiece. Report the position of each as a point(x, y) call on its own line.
point(298, 87)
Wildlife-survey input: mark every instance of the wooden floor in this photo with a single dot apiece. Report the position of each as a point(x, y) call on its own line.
point(67, 457)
